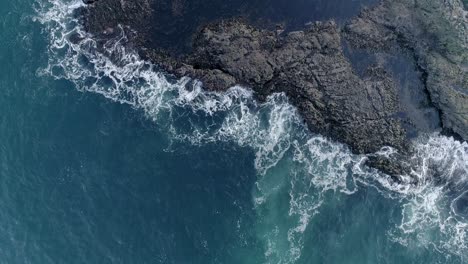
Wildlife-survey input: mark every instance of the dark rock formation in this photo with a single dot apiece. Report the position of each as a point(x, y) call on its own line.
point(435, 33)
point(170, 24)
point(310, 67)
point(105, 18)
point(362, 109)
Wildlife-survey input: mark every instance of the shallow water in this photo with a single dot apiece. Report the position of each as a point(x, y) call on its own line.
point(119, 164)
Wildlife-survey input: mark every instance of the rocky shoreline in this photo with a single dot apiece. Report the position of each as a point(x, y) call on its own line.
point(364, 110)
point(310, 67)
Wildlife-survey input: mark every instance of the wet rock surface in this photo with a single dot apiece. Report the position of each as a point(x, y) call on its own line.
point(310, 67)
point(107, 18)
point(435, 33)
point(171, 24)
point(365, 105)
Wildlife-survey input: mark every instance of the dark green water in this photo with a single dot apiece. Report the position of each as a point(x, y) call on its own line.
point(117, 164)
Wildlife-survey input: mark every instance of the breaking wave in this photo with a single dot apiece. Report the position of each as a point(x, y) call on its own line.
point(434, 212)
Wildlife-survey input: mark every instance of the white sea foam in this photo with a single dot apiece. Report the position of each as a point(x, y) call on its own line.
point(430, 213)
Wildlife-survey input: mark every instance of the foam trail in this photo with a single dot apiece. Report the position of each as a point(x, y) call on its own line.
point(314, 165)
point(430, 214)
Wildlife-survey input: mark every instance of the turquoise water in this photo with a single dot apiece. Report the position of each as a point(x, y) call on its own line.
point(112, 162)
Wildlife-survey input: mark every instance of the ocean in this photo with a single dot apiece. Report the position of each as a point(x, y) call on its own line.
point(105, 159)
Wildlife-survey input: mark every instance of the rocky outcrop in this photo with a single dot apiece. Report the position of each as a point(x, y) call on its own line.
point(310, 67)
point(436, 34)
point(105, 18)
point(172, 23)
point(362, 109)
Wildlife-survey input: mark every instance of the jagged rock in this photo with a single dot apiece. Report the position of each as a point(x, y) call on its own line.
point(394, 165)
point(310, 67)
point(105, 17)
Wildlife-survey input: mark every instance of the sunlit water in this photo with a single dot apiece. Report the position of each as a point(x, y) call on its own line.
point(110, 161)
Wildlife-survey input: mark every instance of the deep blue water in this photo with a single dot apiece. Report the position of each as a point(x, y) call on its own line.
point(117, 164)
